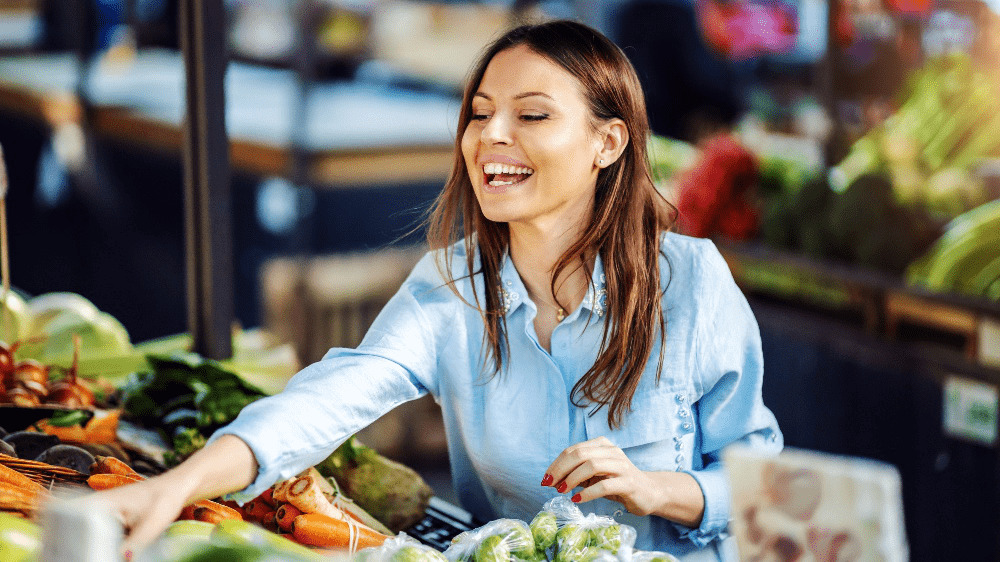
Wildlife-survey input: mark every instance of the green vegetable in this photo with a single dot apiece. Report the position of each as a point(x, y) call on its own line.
point(543, 529)
point(417, 554)
point(391, 492)
point(69, 418)
point(607, 538)
point(571, 541)
point(20, 539)
point(187, 397)
point(492, 549)
point(186, 442)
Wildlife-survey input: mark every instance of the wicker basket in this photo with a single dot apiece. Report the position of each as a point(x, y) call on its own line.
point(46, 474)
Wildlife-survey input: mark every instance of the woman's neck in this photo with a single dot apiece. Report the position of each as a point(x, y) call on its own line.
point(535, 252)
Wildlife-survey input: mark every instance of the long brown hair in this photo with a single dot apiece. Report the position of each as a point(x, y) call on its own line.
point(629, 215)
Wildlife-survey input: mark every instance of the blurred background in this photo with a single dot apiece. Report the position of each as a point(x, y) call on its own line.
point(844, 154)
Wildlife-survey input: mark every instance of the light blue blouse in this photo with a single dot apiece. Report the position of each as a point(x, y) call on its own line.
point(504, 431)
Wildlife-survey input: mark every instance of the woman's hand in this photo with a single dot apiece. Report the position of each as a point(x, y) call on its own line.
point(145, 509)
point(604, 471)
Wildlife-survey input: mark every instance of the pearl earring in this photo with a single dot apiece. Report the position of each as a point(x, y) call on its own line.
point(600, 162)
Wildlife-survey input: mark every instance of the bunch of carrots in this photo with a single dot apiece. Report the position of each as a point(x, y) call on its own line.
point(306, 509)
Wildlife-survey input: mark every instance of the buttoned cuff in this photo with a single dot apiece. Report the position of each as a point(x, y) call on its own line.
point(714, 522)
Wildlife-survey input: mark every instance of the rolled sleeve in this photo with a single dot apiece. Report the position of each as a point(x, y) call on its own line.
point(714, 521)
point(731, 409)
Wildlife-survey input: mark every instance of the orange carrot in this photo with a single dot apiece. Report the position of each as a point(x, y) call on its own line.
point(316, 529)
point(224, 510)
point(208, 515)
point(267, 496)
point(285, 515)
point(255, 510)
point(112, 465)
point(269, 521)
point(108, 481)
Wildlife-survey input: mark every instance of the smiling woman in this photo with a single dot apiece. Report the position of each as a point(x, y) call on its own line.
point(539, 322)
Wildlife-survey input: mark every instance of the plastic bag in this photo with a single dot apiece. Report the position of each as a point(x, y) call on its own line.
point(502, 540)
point(653, 556)
point(401, 548)
point(591, 538)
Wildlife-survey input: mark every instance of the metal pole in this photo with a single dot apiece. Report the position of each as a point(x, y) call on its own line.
point(207, 199)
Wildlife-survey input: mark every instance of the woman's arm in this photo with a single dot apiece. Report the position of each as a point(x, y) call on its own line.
point(146, 508)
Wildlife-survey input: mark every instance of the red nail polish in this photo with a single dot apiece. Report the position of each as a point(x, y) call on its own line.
point(128, 555)
point(547, 480)
point(575, 498)
point(561, 487)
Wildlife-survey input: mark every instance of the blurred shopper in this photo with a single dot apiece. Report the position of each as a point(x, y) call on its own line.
point(570, 339)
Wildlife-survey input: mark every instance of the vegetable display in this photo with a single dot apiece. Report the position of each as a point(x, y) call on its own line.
point(945, 126)
point(187, 397)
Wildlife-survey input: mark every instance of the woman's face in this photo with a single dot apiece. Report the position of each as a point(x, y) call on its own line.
point(530, 148)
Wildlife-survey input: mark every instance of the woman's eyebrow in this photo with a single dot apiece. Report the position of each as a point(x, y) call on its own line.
point(517, 97)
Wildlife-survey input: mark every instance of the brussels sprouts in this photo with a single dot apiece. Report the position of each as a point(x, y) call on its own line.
point(493, 549)
point(543, 529)
point(417, 554)
point(608, 538)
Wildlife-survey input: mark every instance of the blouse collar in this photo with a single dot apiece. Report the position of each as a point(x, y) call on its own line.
point(513, 293)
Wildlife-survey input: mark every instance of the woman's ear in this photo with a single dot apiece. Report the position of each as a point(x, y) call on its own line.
point(614, 138)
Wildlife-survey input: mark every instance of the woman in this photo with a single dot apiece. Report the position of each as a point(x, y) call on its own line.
point(588, 350)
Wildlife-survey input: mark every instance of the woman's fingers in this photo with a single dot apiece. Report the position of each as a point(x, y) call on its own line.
point(593, 458)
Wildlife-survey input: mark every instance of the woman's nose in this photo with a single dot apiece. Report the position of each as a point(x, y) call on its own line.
point(497, 131)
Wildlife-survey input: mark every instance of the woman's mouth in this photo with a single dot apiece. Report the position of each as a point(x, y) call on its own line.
point(499, 177)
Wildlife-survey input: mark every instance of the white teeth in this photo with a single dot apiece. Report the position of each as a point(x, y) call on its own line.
point(496, 168)
point(498, 183)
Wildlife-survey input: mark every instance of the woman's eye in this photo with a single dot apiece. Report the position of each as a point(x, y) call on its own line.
point(479, 117)
point(535, 116)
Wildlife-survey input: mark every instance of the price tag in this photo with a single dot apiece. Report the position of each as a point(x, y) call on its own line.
point(970, 410)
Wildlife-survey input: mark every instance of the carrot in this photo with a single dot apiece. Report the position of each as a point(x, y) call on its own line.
point(269, 521)
point(14, 480)
point(316, 529)
point(285, 515)
point(112, 465)
point(267, 496)
point(254, 510)
point(108, 481)
point(208, 515)
point(225, 511)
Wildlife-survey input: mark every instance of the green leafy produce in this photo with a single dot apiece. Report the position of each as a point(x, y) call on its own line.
point(966, 258)
point(15, 318)
point(187, 397)
point(543, 529)
point(946, 124)
point(391, 492)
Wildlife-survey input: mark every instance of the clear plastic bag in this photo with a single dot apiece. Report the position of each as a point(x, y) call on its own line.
point(652, 556)
point(502, 540)
point(590, 538)
point(401, 548)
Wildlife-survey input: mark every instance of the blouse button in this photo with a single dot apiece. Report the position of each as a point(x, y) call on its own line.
point(679, 398)
point(683, 412)
point(677, 444)
point(687, 426)
point(679, 459)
